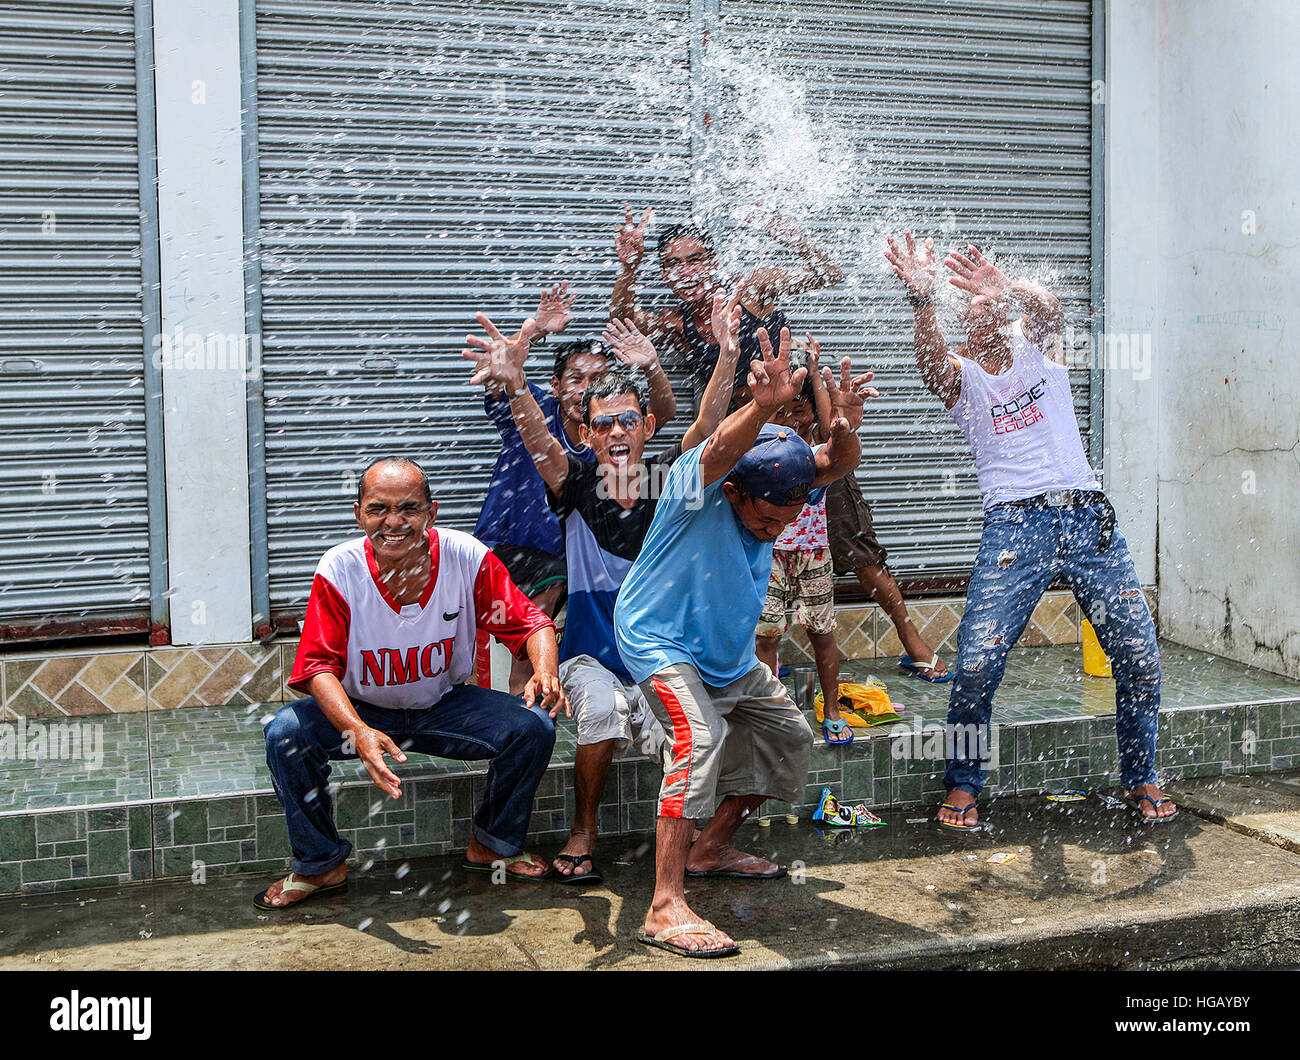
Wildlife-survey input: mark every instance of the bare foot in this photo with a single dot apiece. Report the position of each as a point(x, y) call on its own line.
point(1153, 792)
point(523, 864)
point(580, 842)
point(959, 798)
point(676, 912)
point(727, 858)
point(275, 893)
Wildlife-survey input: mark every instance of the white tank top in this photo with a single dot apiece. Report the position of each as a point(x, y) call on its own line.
point(1021, 426)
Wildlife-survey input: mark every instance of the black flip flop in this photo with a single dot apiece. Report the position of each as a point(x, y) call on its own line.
point(489, 868)
point(261, 903)
point(728, 874)
point(592, 875)
point(660, 941)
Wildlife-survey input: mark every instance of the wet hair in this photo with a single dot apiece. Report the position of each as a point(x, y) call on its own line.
point(400, 463)
point(566, 351)
point(615, 383)
point(687, 230)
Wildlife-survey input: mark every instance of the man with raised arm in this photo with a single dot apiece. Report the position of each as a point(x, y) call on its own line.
point(684, 624)
point(689, 266)
point(387, 646)
point(605, 510)
point(515, 521)
point(1044, 515)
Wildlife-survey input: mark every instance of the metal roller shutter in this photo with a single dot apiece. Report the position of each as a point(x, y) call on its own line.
point(418, 162)
point(981, 108)
point(73, 511)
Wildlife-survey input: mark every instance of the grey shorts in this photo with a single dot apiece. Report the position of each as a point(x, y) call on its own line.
point(746, 738)
point(606, 708)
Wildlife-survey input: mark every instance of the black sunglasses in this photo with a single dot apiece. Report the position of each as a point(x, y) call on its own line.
point(629, 421)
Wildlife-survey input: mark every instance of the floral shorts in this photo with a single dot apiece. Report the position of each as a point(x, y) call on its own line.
point(802, 580)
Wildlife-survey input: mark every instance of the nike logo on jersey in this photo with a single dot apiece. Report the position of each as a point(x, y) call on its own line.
point(450, 617)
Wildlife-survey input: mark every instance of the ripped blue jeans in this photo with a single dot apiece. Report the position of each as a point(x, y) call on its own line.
point(1021, 551)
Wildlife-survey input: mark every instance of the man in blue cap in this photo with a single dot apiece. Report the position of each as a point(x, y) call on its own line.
point(684, 625)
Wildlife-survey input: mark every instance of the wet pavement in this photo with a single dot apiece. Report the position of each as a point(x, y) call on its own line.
point(1088, 886)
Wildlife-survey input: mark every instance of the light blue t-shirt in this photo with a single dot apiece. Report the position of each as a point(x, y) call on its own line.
point(695, 593)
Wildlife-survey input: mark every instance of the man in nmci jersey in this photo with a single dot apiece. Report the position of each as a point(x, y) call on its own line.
point(1043, 516)
point(387, 646)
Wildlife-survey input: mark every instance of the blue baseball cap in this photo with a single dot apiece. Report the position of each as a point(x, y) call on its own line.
point(779, 468)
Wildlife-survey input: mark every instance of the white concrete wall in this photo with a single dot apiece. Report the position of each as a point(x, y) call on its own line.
point(196, 52)
point(1203, 219)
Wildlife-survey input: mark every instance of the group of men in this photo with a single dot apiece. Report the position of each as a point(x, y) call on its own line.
point(665, 561)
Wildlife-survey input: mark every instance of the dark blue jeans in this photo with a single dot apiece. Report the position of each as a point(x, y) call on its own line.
point(469, 723)
point(1021, 551)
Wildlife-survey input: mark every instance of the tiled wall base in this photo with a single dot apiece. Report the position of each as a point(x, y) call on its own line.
point(62, 850)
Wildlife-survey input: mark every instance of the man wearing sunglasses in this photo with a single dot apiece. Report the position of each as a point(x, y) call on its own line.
point(605, 509)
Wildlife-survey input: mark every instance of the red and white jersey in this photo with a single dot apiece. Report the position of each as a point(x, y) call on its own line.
point(408, 657)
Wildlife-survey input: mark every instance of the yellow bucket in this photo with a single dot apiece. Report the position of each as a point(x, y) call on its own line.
point(1095, 663)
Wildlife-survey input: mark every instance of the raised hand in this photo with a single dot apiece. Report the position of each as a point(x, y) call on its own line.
point(725, 324)
point(848, 397)
point(499, 361)
point(771, 383)
point(813, 349)
point(553, 315)
point(912, 264)
point(976, 274)
point(629, 240)
point(629, 345)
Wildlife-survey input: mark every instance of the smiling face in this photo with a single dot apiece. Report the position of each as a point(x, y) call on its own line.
point(762, 519)
point(689, 269)
point(982, 316)
point(580, 371)
point(799, 415)
point(615, 442)
point(395, 515)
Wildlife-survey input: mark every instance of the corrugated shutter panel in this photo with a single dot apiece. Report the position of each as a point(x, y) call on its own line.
point(419, 162)
point(981, 108)
point(73, 514)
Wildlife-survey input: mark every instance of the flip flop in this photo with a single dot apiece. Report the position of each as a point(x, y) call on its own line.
point(963, 810)
point(835, 727)
point(914, 669)
point(592, 875)
point(470, 866)
point(730, 874)
point(310, 890)
point(1131, 801)
point(660, 941)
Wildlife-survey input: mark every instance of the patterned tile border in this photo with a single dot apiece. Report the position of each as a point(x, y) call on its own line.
point(893, 770)
point(71, 684)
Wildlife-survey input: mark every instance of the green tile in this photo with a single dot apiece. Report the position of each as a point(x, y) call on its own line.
point(217, 853)
point(58, 827)
point(858, 781)
point(141, 828)
point(11, 878)
point(223, 813)
point(17, 838)
point(103, 820)
point(272, 837)
point(239, 831)
point(190, 824)
point(177, 861)
point(108, 853)
point(49, 869)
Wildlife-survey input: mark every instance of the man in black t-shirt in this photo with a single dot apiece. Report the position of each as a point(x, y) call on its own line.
point(605, 510)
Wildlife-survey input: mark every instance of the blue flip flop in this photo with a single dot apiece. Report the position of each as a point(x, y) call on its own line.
point(915, 668)
point(835, 726)
point(1132, 802)
point(963, 810)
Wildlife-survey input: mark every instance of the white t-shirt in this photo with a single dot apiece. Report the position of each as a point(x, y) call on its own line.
point(1021, 426)
point(408, 657)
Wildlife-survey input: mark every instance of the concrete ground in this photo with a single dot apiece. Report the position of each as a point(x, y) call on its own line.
point(1088, 887)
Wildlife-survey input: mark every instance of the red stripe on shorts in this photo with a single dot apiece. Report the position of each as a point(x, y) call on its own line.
point(675, 805)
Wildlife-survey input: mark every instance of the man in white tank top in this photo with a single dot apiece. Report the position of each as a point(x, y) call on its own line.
point(1044, 515)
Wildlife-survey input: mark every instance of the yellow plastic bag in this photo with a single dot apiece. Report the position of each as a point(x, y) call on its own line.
point(861, 705)
point(1095, 663)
